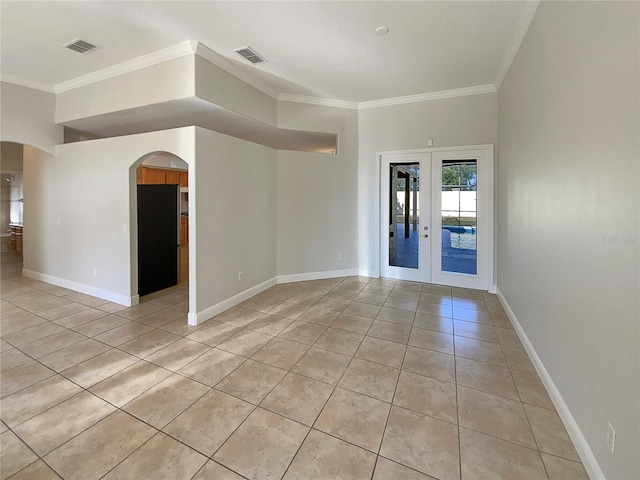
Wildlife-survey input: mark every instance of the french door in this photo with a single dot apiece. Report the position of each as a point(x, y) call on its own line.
point(437, 216)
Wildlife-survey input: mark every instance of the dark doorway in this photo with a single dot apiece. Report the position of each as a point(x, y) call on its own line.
point(158, 237)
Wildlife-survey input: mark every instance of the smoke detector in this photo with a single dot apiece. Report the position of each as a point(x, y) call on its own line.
point(250, 54)
point(81, 46)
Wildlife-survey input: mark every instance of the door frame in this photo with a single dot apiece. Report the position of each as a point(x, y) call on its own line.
point(489, 203)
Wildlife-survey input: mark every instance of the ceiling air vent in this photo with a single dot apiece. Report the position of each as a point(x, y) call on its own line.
point(249, 54)
point(81, 46)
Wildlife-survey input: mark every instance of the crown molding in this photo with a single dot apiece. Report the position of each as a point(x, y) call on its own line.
point(219, 61)
point(518, 36)
point(25, 82)
point(423, 97)
point(324, 102)
point(180, 50)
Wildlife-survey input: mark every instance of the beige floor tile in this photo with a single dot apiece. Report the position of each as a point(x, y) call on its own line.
point(23, 376)
point(343, 293)
point(212, 367)
point(429, 363)
point(298, 398)
point(161, 458)
point(478, 331)
point(161, 317)
point(148, 343)
point(13, 324)
point(85, 299)
point(531, 389)
point(508, 337)
point(518, 359)
point(427, 395)
point(139, 311)
point(339, 341)
point(214, 333)
point(80, 318)
point(53, 427)
point(437, 298)
point(73, 354)
point(371, 298)
point(98, 368)
point(362, 310)
point(251, 381)
point(423, 443)
point(207, 424)
point(3, 427)
point(63, 311)
point(490, 297)
point(352, 323)
point(14, 455)
point(178, 354)
point(110, 307)
point(471, 315)
point(355, 418)
point(436, 309)
point(31, 334)
point(480, 351)
point(100, 325)
point(437, 341)
point(180, 327)
point(238, 316)
point(562, 469)
point(485, 377)
point(244, 343)
point(126, 385)
point(400, 292)
point(550, 433)
point(52, 343)
point(402, 303)
point(381, 351)
point(49, 304)
point(386, 469)
point(485, 457)
point(322, 365)
point(495, 416)
point(270, 324)
point(432, 322)
point(469, 303)
point(263, 446)
point(281, 353)
point(334, 304)
point(260, 304)
point(36, 471)
point(33, 400)
point(123, 333)
point(319, 316)
point(372, 379)
point(215, 471)
point(181, 307)
point(167, 299)
point(390, 331)
point(378, 289)
point(466, 293)
point(499, 319)
point(163, 402)
point(394, 315)
point(323, 457)
point(303, 332)
point(289, 310)
point(12, 358)
point(100, 448)
point(493, 304)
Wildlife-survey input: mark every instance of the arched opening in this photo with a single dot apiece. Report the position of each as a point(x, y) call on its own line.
point(160, 196)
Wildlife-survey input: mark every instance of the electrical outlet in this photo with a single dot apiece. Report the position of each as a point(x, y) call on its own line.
point(240, 276)
point(340, 257)
point(611, 437)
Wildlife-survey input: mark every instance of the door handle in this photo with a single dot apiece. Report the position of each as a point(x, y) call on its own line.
point(426, 236)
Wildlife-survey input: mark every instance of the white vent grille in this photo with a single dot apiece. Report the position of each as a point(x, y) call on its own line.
point(250, 54)
point(81, 46)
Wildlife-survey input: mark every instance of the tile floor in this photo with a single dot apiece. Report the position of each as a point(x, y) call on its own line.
point(351, 378)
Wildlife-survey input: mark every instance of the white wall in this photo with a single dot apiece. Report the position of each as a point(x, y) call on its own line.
point(470, 120)
point(232, 222)
point(159, 83)
point(568, 179)
point(80, 211)
point(165, 160)
point(27, 117)
point(317, 194)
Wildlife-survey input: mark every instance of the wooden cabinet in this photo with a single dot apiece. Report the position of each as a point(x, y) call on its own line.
point(16, 239)
point(184, 231)
point(154, 176)
point(172, 176)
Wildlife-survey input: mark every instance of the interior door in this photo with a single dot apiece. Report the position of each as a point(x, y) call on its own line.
point(405, 234)
point(158, 237)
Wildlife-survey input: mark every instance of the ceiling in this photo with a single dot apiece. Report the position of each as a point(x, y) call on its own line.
point(326, 49)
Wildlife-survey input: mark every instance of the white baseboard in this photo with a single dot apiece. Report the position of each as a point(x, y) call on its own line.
point(127, 301)
point(582, 447)
point(213, 310)
point(304, 277)
point(493, 288)
point(369, 273)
